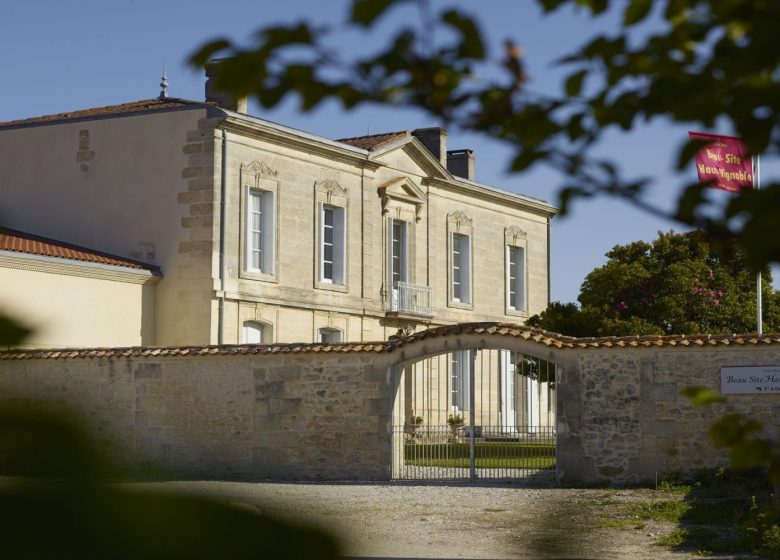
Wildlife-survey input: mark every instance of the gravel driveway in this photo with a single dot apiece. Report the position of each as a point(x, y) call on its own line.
point(447, 521)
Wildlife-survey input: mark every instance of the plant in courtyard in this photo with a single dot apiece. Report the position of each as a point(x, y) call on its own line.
point(417, 420)
point(455, 420)
point(678, 284)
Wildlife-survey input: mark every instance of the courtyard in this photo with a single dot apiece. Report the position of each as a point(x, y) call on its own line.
point(406, 520)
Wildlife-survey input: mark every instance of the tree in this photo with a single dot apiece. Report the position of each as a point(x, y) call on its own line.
point(702, 62)
point(678, 284)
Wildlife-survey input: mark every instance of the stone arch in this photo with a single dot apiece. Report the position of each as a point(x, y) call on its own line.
point(490, 378)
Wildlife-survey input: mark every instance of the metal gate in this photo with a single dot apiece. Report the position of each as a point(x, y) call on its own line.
point(473, 415)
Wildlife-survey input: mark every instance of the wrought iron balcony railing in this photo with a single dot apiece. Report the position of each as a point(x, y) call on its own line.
point(410, 299)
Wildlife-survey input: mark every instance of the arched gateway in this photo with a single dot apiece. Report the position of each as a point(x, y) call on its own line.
point(474, 402)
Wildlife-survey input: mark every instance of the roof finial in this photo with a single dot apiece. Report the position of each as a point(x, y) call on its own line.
point(164, 83)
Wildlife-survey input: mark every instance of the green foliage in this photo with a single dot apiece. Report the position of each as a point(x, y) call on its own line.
point(761, 530)
point(678, 284)
point(701, 395)
point(455, 420)
point(505, 455)
point(666, 510)
point(701, 63)
point(11, 332)
point(59, 507)
point(743, 437)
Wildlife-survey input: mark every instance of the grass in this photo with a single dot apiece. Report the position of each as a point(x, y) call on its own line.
point(703, 540)
point(510, 455)
point(714, 512)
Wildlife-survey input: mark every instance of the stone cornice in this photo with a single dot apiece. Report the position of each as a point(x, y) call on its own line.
point(329, 149)
point(67, 267)
point(488, 329)
point(495, 195)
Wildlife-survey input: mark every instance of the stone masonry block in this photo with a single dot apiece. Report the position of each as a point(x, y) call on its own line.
point(195, 148)
point(262, 408)
point(291, 406)
point(664, 392)
point(194, 222)
point(200, 184)
point(204, 209)
point(196, 135)
point(147, 371)
point(196, 171)
point(375, 407)
point(190, 197)
point(269, 390)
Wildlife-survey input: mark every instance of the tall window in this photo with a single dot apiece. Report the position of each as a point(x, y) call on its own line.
point(260, 231)
point(460, 370)
point(509, 389)
point(516, 278)
point(329, 336)
point(461, 268)
point(253, 333)
point(398, 251)
point(332, 244)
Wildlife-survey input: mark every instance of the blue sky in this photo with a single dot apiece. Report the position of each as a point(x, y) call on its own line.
point(59, 56)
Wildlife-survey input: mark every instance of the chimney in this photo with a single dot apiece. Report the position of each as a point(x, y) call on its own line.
point(435, 139)
point(461, 163)
point(214, 95)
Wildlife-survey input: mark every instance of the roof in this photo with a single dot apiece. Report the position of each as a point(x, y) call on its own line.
point(368, 143)
point(375, 141)
point(539, 336)
point(20, 242)
point(143, 106)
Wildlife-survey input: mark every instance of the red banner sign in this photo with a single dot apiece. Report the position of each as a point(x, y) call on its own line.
point(724, 163)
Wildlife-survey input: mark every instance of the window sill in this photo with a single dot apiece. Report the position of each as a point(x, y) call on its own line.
point(461, 305)
point(257, 275)
point(330, 287)
point(516, 312)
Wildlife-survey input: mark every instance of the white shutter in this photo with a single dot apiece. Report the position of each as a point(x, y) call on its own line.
point(404, 251)
point(465, 272)
point(339, 245)
point(269, 232)
point(520, 279)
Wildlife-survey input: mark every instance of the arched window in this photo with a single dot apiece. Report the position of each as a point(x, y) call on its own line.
point(329, 336)
point(252, 333)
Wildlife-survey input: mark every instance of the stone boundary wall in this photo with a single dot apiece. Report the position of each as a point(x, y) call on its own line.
point(236, 417)
point(622, 419)
point(314, 412)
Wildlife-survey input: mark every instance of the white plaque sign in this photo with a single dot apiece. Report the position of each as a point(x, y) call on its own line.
point(749, 379)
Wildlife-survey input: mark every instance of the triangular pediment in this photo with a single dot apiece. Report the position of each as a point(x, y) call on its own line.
point(402, 188)
point(417, 155)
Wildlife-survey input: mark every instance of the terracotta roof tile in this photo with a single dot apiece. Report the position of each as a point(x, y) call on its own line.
point(142, 106)
point(542, 337)
point(20, 242)
point(374, 141)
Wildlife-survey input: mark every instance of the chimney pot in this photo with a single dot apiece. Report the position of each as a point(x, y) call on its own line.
point(435, 140)
point(221, 98)
point(461, 163)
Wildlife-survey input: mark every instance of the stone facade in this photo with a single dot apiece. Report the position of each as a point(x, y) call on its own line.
point(167, 181)
point(325, 412)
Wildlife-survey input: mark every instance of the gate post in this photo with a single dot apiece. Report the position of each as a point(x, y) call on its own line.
point(472, 417)
point(397, 385)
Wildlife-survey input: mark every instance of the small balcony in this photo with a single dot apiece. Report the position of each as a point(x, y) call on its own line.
point(409, 299)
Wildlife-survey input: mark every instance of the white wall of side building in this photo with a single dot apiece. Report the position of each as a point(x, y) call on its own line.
point(78, 305)
point(120, 185)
